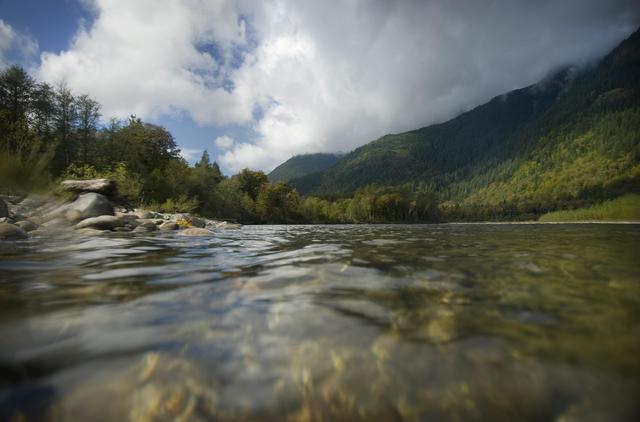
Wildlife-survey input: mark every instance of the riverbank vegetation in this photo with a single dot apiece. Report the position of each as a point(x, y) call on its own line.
point(624, 208)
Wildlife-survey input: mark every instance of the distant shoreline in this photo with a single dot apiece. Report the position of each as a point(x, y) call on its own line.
point(546, 222)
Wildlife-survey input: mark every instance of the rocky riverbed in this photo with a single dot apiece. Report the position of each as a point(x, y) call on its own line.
point(93, 209)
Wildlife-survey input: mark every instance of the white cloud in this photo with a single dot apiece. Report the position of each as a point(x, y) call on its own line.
point(21, 46)
point(325, 76)
point(190, 153)
point(146, 57)
point(224, 142)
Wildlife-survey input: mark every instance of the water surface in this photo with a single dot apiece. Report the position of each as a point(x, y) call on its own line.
point(453, 322)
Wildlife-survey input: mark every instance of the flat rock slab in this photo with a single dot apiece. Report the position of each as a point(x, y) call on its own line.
point(104, 186)
point(103, 222)
point(11, 232)
point(195, 231)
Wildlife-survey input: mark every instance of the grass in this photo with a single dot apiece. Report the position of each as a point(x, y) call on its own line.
point(624, 208)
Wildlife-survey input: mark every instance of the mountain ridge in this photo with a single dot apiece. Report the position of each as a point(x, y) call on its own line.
point(303, 164)
point(503, 149)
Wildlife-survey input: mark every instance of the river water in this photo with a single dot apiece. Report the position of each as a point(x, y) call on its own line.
point(438, 322)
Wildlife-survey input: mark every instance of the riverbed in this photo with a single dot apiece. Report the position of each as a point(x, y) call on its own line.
point(360, 322)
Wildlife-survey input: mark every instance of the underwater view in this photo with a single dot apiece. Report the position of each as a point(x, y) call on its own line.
point(308, 322)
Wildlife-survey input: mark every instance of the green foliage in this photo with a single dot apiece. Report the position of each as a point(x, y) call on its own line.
point(182, 204)
point(80, 171)
point(129, 184)
point(232, 203)
point(375, 204)
point(624, 208)
point(278, 202)
point(251, 182)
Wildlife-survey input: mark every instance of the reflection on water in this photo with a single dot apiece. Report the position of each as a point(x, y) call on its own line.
point(456, 322)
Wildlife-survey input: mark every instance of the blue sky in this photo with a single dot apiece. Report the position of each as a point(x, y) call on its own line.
point(53, 23)
point(255, 82)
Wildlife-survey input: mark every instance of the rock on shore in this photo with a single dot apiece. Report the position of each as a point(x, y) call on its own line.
point(91, 212)
point(102, 186)
point(11, 232)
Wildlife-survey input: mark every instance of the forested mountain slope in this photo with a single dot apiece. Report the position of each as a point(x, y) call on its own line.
point(302, 165)
point(573, 136)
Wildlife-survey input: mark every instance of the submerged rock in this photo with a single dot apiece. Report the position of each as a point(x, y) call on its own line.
point(27, 225)
point(195, 231)
point(92, 232)
point(145, 228)
point(103, 186)
point(225, 225)
point(104, 222)
point(148, 225)
point(11, 232)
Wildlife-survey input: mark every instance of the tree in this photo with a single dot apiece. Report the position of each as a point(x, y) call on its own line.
point(88, 118)
point(278, 202)
point(65, 119)
point(251, 182)
point(16, 95)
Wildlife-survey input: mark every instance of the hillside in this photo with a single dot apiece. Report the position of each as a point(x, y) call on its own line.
point(302, 165)
point(573, 137)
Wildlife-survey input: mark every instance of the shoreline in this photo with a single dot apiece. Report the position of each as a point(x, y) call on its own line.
point(547, 222)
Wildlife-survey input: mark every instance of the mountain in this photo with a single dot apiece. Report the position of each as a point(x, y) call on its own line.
point(571, 137)
point(302, 165)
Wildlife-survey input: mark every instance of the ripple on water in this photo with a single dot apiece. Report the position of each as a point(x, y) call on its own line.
point(324, 323)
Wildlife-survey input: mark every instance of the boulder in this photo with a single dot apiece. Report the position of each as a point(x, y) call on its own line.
point(195, 231)
point(169, 225)
point(27, 225)
point(197, 222)
point(88, 205)
point(11, 232)
point(103, 222)
point(4, 209)
point(146, 226)
point(103, 186)
point(144, 214)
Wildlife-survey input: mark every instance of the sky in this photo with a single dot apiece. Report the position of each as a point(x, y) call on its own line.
point(255, 82)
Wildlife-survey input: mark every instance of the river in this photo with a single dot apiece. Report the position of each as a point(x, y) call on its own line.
point(366, 322)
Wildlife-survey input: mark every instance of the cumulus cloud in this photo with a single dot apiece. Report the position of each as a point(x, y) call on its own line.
point(224, 142)
point(155, 57)
point(15, 46)
point(309, 76)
